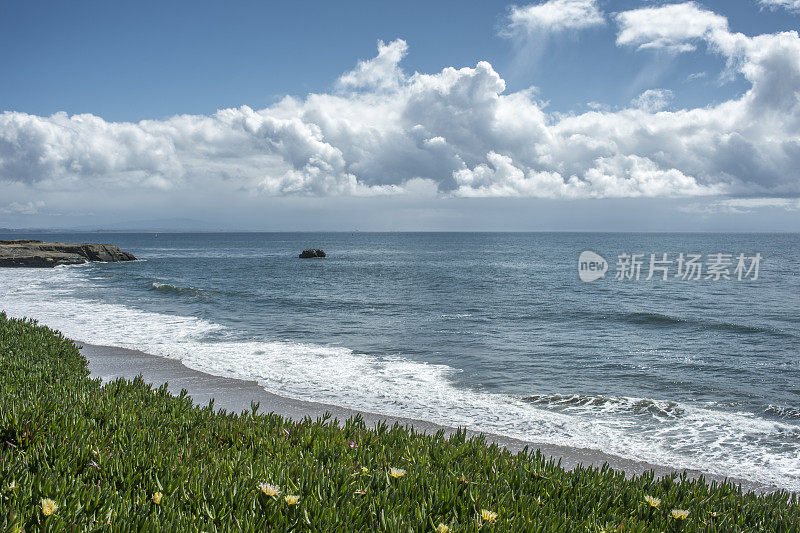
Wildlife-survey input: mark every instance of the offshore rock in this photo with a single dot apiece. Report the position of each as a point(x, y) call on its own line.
point(311, 253)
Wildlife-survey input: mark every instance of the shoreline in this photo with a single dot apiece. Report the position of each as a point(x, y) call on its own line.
point(236, 395)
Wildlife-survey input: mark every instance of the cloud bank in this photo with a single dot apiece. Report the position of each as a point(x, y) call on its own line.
point(457, 132)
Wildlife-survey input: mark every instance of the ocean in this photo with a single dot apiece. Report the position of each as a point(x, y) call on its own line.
point(491, 331)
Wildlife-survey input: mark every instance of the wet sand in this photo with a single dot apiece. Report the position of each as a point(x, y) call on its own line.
point(235, 395)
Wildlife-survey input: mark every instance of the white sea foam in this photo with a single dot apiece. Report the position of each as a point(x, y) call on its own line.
point(685, 436)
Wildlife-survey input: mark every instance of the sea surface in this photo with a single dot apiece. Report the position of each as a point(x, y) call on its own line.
point(491, 331)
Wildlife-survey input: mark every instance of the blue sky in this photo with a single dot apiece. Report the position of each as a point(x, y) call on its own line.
point(130, 61)
point(122, 63)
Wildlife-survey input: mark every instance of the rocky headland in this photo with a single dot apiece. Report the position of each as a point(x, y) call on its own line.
point(38, 254)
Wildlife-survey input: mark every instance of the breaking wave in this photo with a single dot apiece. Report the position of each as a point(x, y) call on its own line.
point(168, 288)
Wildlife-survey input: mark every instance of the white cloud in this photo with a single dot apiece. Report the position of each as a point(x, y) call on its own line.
point(27, 208)
point(653, 100)
point(456, 132)
point(791, 5)
point(598, 106)
point(381, 72)
point(554, 16)
point(672, 27)
point(84, 146)
point(611, 177)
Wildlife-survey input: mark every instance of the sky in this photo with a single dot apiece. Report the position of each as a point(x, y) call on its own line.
point(559, 115)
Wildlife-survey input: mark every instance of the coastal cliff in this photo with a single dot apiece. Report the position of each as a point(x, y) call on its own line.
point(38, 254)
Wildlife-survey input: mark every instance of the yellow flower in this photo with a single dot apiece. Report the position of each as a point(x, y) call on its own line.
point(49, 507)
point(364, 470)
point(441, 528)
point(489, 516)
point(679, 514)
point(397, 472)
point(653, 501)
point(292, 499)
point(157, 498)
point(269, 490)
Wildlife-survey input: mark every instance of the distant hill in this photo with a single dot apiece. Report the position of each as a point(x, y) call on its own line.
point(165, 225)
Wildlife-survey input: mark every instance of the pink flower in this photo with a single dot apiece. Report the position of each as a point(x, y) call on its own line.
point(353, 444)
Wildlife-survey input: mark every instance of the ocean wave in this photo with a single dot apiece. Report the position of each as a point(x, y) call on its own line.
point(783, 413)
point(598, 403)
point(660, 432)
point(649, 319)
point(659, 320)
point(168, 288)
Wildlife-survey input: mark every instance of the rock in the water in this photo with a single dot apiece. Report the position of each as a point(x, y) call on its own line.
point(38, 254)
point(311, 253)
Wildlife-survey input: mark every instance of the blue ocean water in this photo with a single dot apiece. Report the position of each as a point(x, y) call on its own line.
point(492, 331)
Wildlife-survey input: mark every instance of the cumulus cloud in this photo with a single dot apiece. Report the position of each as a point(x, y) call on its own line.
point(554, 16)
point(381, 72)
point(457, 132)
point(68, 149)
point(673, 27)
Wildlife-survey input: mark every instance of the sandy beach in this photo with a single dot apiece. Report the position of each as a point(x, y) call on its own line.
point(235, 395)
